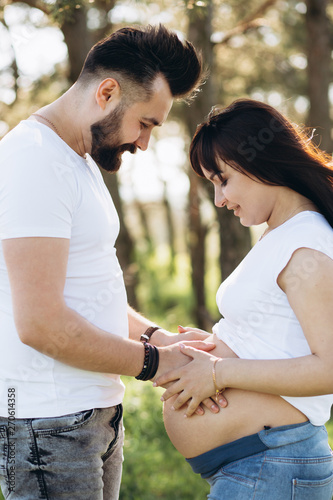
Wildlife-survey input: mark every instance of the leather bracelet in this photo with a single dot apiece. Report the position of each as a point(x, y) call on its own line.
point(145, 337)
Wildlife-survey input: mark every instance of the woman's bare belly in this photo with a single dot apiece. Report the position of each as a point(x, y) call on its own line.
point(247, 413)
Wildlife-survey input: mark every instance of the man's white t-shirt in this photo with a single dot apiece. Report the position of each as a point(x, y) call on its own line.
point(47, 190)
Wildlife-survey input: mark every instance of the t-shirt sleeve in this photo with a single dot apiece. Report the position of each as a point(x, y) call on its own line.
point(313, 236)
point(37, 195)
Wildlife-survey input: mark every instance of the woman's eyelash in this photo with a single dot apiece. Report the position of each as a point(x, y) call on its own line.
point(223, 180)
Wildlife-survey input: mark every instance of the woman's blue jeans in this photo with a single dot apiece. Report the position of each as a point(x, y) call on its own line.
point(297, 465)
point(73, 457)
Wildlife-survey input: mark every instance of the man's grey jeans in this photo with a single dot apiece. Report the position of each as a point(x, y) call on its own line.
point(72, 457)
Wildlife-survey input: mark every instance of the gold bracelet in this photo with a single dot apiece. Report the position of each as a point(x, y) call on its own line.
point(217, 390)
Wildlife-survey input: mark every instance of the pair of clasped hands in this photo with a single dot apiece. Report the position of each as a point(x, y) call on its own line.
point(192, 380)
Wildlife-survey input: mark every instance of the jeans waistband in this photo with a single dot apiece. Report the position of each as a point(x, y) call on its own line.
point(210, 462)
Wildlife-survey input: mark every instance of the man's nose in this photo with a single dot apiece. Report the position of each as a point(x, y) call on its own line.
point(143, 140)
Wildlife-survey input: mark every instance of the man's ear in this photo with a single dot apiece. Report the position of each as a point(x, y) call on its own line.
point(108, 89)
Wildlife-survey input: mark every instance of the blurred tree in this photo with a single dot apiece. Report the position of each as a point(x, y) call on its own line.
point(319, 49)
point(257, 48)
point(72, 18)
point(75, 27)
point(199, 33)
point(235, 240)
point(124, 243)
point(170, 228)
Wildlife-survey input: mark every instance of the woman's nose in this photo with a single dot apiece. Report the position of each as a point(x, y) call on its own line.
point(219, 199)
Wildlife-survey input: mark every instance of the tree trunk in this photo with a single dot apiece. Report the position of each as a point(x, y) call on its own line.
point(140, 208)
point(235, 239)
point(78, 39)
point(170, 229)
point(196, 239)
point(319, 31)
point(199, 33)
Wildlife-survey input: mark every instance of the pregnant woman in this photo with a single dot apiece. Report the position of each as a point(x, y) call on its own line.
point(274, 342)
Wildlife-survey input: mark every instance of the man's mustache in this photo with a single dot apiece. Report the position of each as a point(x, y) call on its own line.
point(132, 148)
point(110, 159)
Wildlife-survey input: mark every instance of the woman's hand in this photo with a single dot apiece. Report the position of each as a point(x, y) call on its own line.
point(189, 333)
point(193, 382)
point(211, 405)
point(194, 333)
point(161, 339)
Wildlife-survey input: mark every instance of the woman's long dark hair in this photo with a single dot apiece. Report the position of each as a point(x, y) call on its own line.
point(254, 138)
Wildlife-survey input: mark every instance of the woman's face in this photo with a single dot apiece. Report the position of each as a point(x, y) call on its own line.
point(250, 199)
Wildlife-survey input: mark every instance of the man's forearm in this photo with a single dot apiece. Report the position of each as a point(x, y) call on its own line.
point(71, 339)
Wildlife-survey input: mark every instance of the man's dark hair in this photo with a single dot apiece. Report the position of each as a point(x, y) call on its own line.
point(139, 55)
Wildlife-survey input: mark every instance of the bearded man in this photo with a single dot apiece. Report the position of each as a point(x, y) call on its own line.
point(66, 331)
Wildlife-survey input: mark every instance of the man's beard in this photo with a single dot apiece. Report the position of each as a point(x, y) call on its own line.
point(105, 147)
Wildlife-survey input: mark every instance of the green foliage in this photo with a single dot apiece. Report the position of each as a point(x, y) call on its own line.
point(153, 469)
point(165, 297)
point(63, 10)
point(329, 427)
point(269, 65)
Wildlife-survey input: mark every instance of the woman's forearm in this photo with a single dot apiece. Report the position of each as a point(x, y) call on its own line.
point(303, 376)
point(297, 377)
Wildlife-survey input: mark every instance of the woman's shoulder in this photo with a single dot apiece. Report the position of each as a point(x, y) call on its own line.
point(308, 230)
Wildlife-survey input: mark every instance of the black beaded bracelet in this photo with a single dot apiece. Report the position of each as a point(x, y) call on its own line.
point(150, 362)
point(145, 362)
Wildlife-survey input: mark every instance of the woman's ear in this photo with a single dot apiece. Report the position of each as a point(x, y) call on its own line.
point(107, 90)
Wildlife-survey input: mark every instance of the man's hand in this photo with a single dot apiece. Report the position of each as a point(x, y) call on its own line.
point(171, 357)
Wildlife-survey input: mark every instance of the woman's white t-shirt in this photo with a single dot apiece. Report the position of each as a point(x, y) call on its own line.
point(258, 322)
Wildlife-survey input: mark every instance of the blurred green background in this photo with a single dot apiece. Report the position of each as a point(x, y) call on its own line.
point(174, 247)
